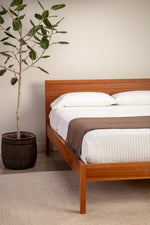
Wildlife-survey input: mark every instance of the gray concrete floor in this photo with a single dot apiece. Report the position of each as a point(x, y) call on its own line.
point(53, 162)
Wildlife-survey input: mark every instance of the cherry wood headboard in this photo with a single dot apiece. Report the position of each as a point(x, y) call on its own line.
point(55, 88)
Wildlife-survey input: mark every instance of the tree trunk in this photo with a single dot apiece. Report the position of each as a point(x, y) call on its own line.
point(19, 93)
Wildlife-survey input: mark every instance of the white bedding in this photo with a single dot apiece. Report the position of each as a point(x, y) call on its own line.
point(107, 145)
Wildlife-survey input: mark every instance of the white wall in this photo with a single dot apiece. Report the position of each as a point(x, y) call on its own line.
point(108, 39)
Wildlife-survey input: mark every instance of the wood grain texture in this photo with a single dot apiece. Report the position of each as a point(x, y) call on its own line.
point(82, 189)
point(118, 171)
point(93, 172)
point(64, 151)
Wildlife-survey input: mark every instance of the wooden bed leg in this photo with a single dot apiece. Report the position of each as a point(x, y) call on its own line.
point(47, 146)
point(83, 189)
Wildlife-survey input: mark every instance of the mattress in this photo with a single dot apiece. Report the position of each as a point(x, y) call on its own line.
point(107, 145)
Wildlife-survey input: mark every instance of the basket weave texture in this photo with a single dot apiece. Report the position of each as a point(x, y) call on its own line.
point(19, 153)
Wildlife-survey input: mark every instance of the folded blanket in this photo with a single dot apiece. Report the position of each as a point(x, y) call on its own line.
point(80, 126)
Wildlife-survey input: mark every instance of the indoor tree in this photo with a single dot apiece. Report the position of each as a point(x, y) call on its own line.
point(21, 52)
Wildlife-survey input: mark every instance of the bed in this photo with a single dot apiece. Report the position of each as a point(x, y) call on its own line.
point(88, 172)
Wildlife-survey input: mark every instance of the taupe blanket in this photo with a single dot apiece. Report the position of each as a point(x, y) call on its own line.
point(80, 126)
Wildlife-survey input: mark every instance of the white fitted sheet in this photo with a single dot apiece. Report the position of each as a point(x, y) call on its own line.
point(107, 145)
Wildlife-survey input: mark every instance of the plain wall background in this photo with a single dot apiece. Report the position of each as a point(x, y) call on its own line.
point(108, 39)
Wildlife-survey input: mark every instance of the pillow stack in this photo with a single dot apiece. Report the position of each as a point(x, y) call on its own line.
point(97, 99)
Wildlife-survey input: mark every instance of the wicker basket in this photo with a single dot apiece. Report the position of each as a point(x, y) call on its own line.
point(19, 153)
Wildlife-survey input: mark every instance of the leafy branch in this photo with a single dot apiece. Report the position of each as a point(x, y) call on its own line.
point(23, 52)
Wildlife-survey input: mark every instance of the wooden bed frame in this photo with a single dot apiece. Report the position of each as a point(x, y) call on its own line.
point(93, 172)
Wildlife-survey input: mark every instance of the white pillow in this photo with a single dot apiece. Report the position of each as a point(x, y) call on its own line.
point(132, 98)
point(83, 99)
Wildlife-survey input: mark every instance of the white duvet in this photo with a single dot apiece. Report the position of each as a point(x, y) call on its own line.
point(107, 145)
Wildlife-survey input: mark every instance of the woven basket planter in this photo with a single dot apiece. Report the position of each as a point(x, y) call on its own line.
point(19, 153)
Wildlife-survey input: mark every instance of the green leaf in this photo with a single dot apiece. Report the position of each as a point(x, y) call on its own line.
point(8, 28)
point(15, 14)
point(1, 20)
point(33, 31)
point(44, 32)
point(36, 38)
point(6, 60)
point(4, 39)
point(42, 69)
point(21, 17)
point(14, 80)
point(55, 25)
point(45, 14)
point(38, 16)
point(32, 54)
point(47, 23)
point(7, 43)
point(24, 61)
point(53, 16)
point(4, 9)
point(3, 12)
point(45, 56)
point(44, 43)
point(10, 35)
point(36, 42)
point(41, 6)
point(5, 54)
point(19, 2)
point(22, 41)
point(56, 7)
point(2, 72)
point(61, 42)
point(17, 25)
point(13, 3)
point(10, 66)
point(20, 7)
point(22, 51)
point(32, 23)
point(61, 32)
point(29, 47)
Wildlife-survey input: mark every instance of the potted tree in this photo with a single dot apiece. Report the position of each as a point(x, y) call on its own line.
point(19, 149)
